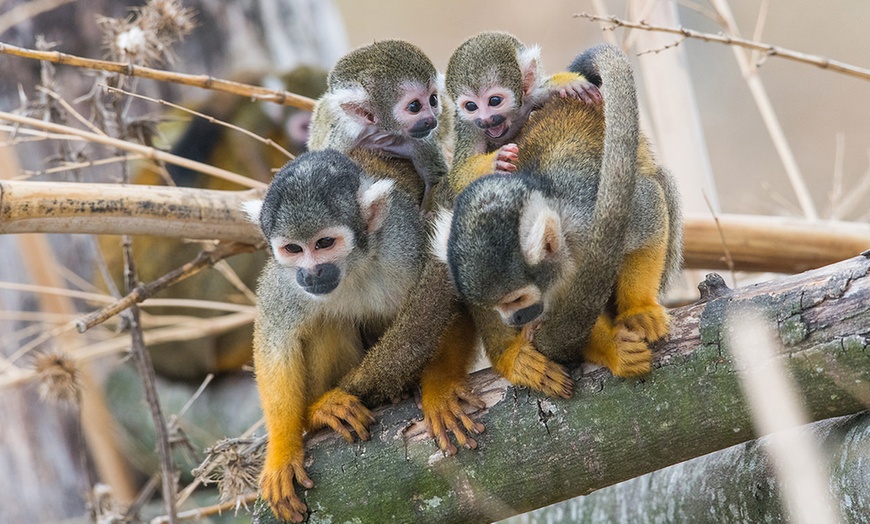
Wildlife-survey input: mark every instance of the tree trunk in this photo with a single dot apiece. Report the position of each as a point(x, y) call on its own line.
point(537, 451)
point(733, 485)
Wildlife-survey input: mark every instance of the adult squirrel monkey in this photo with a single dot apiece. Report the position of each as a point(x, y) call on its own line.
point(588, 219)
point(495, 82)
point(386, 96)
point(347, 248)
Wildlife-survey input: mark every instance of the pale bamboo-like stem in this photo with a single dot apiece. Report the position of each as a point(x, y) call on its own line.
point(23, 12)
point(203, 81)
point(70, 207)
point(145, 151)
point(768, 115)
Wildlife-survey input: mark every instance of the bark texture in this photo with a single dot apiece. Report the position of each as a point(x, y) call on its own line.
point(537, 451)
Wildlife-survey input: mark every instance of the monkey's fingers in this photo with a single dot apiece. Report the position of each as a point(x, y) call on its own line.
point(534, 370)
point(436, 429)
point(337, 408)
point(633, 355)
point(650, 322)
point(277, 489)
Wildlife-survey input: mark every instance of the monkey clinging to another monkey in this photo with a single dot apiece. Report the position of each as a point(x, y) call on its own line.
point(587, 219)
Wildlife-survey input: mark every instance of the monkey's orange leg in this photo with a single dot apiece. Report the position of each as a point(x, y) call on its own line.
point(524, 365)
point(283, 399)
point(335, 408)
point(445, 384)
point(623, 352)
point(637, 289)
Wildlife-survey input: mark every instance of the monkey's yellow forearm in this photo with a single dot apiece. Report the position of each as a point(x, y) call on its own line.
point(637, 289)
point(466, 171)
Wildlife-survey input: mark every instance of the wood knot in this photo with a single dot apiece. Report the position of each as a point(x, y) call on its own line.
point(713, 286)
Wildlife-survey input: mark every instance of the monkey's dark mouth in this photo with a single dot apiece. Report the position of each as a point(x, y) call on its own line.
point(420, 134)
point(322, 288)
point(497, 131)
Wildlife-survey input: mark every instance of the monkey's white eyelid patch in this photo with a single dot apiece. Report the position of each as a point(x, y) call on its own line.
point(540, 226)
point(252, 209)
point(441, 233)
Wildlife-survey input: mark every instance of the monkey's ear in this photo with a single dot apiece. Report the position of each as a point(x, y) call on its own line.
point(356, 104)
point(374, 202)
point(540, 232)
point(441, 233)
point(529, 60)
point(252, 210)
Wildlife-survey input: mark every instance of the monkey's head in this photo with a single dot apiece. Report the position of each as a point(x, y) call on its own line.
point(319, 215)
point(506, 247)
point(488, 77)
point(389, 86)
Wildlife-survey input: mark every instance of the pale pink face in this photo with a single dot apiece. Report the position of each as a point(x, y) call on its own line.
point(317, 260)
point(490, 110)
point(417, 110)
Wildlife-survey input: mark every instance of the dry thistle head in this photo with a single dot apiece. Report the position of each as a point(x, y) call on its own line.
point(59, 377)
point(146, 36)
point(235, 465)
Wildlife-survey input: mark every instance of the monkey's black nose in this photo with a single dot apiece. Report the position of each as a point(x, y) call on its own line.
point(423, 126)
point(319, 280)
point(527, 314)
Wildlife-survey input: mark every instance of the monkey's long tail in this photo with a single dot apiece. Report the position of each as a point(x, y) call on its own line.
point(621, 140)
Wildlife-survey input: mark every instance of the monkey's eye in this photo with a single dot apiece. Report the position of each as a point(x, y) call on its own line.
point(415, 106)
point(470, 107)
point(433, 100)
point(324, 243)
point(293, 248)
point(495, 100)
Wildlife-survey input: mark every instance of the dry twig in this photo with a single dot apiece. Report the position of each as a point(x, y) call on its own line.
point(203, 81)
point(767, 49)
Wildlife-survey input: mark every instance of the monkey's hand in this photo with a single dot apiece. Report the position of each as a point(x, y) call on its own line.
point(505, 156)
point(575, 86)
point(650, 322)
point(276, 486)
point(442, 412)
point(524, 365)
point(338, 409)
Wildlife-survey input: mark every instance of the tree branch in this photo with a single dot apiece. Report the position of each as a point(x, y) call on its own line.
point(767, 49)
point(537, 451)
point(203, 81)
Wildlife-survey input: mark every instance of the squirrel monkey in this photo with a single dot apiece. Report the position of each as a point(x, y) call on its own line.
point(385, 96)
point(588, 217)
point(495, 82)
point(346, 252)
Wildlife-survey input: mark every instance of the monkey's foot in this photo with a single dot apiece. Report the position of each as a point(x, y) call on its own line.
point(338, 409)
point(633, 356)
point(276, 488)
point(505, 156)
point(442, 412)
point(524, 365)
point(651, 322)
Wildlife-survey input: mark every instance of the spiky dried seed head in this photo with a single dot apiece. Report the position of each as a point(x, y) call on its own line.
point(59, 377)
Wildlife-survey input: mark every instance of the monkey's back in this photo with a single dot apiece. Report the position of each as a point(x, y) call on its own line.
point(567, 136)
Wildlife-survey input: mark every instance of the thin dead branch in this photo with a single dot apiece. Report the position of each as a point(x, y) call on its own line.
point(767, 49)
point(203, 81)
point(145, 151)
point(205, 258)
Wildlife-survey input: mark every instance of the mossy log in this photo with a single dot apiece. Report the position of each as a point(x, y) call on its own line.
point(537, 451)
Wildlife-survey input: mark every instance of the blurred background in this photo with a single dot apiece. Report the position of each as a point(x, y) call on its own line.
point(700, 108)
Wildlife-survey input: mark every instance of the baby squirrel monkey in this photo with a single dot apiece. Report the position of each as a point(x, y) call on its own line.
point(587, 217)
point(385, 96)
point(495, 82)
point(346, 252)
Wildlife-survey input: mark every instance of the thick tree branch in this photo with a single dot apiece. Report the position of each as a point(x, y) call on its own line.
point(537, 451)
